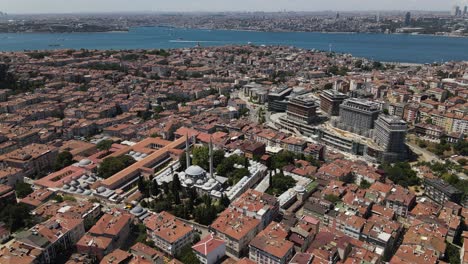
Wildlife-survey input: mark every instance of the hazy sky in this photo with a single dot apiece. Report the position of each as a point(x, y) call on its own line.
point(70, 6)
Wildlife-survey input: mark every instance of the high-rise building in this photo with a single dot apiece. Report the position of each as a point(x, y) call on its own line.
point(300, 116)
point(455, 10)
point(465, 11)
point(330, 101)
point(408, 19)
point(277, 101)
point(302, 108)
point(390, 134)
point(358, 115)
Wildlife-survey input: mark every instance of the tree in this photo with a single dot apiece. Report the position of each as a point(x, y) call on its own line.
point(402, 174)
point(176, 186)
point(63, 160)
point(462, 161)
point(201, 157)
point(280, 183)
point(364, 184)
point(332, 198)
point(143, 187)
point(23, 189)
point(453, 254)
point(16, 216)
point(187, 256)
point(104, 145)
point(112, 165)
point(282, 159)
point(154, 188)
point(225, 200)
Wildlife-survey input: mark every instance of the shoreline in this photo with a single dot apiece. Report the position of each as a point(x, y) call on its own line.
point(239, 30)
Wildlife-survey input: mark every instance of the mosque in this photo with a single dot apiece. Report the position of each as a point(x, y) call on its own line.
point(204, 182)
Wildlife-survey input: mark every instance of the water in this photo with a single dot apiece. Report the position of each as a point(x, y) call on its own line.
point(389, 48)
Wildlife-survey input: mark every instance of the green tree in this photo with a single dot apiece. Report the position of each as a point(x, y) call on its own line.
point(332, 198)
point(282, 159)
point(104, 145)
point(23, 189)
point(187, 256)
point(63, 160)
point(111, 165)
point(154, 188)
point(201, 157)
point(453, 254)
point(364, 184)
point(280, 183)
point(402, 174)
point(143, 187)
point(16, 216)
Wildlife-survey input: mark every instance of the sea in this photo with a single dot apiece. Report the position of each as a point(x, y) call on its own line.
point(398, 48)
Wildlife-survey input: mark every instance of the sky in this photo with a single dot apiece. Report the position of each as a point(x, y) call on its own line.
point(79, 6)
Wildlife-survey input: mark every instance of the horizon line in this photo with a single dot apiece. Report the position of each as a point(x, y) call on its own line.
point(225, 11)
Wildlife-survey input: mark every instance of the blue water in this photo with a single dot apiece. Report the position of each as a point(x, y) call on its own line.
point(390, 48)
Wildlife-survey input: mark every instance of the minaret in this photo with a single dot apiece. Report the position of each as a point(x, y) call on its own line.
point(187, 151)
point(211, 157)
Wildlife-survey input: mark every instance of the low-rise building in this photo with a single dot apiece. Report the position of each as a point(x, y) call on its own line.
point(271, 245)
point(237, 229)
point(441, 192)
point(108, 234)
point(169, 234)
point(210, 249)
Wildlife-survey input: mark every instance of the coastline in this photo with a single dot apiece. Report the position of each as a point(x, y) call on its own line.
point(239, 30)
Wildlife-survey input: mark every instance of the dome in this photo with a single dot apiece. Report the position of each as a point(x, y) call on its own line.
point(213, 192)
point(84, 177)
point(72, 189)
point(84, 185)
point(132, 152)
point(101, 189)
point(211, 181)
point(194, 170)
point(84, 162)
point(79, 190)
point(91, 179)
point(87, 192)
point(199, 182)
point(144, 155)
point(137, 210)
point(188, 182)
point(207, 185)
point(65, 187)
point(74, 183)
point(299, 189)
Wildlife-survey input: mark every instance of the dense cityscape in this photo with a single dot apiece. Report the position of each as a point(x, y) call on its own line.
point(454, 23)
point(232, 154)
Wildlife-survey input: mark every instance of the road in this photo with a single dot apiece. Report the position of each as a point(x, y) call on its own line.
point(425, 154)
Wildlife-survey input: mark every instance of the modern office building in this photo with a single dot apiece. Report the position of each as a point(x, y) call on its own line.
point(300, 115)
point(302, 108)
point(456, 11)
point(390, 134)
point(408, 19)
point(358, 115)
point(277, 101)
point(330, 101)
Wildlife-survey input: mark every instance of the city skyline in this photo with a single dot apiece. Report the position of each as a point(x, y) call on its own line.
point(87, 6)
